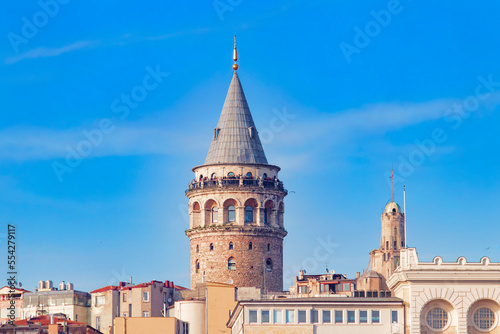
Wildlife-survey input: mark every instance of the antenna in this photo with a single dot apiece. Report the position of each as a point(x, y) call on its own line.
point(404, 209)
point(392, 177)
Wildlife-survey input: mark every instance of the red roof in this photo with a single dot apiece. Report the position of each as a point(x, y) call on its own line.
point(17, 289)
point(178, 287)
point(124, 286)
point(44, 320)
point(106, 288)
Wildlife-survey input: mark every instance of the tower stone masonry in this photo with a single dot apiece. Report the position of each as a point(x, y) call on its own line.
point(385, 259)
point(236, 208)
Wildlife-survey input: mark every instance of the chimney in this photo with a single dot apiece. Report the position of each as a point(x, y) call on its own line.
point(301, 274)
point(357, 274)
point(62, 286)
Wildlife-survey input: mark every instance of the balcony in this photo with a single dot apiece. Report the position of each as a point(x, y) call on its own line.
point(236, 183)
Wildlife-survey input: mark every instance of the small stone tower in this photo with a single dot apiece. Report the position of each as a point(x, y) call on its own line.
point(236, 208)
point(385, 260)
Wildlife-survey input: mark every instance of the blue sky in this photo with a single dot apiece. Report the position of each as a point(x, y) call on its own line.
point(342, 90)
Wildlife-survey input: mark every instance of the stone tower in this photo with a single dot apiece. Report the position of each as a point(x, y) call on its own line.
point(236, 208)
point(385, 260)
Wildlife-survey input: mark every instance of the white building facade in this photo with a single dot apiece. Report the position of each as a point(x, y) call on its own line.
point(319, 315)
point(448, 297)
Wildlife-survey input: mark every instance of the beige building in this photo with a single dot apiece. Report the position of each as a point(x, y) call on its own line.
point(145, 300)
point(105, 307)
point(149, 326)
point(448, 297)
point(207, 308)
point(236, 208)
point(75, 305)
point(318, 315)
point(322, 285)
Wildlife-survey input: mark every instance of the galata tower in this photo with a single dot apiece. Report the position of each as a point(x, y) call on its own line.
point(236, 207)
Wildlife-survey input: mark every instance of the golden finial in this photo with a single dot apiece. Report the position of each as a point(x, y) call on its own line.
point(235, 55)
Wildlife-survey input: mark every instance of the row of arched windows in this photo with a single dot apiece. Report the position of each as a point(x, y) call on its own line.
point(212, 212)
point(231, 246)
point(231, 264)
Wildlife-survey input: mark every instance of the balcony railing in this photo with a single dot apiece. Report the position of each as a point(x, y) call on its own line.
point(236, 183)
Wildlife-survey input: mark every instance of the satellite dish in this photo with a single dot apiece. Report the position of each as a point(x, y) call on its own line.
point(169, 300)
point(332, 271)
point(230, 281)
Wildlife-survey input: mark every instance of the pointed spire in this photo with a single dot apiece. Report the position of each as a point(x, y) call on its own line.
point(235, 55)
point(236, 139)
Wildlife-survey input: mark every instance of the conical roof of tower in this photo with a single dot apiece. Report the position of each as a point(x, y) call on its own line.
point(235, 139)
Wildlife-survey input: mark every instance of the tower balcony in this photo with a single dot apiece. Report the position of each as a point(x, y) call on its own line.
point(236, 184)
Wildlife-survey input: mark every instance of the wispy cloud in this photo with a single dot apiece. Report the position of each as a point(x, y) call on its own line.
point(34, 143)
point(44, 52)
point(302, 138)
point(360, 122)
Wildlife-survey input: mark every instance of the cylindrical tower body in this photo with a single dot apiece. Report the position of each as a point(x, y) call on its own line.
point(236, 225)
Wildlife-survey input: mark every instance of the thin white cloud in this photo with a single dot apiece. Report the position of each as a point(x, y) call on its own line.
point(44, 52)
point(21, 144)
point(359, 122)
point(301, 138)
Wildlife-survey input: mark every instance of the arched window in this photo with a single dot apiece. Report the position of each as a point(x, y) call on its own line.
point(394, 211)
point(215, 214)
point(395, 231)
point(214, 176)
point(269, 265)
point(230, 174)
point(264, 176)
point(197, 266)
point(231, 264)
point(250, 246)
point(231, 213)
point(268, 247)
point(484, 318)
point(211, 247)
point(197, 248)
point(248, 214)
point(196, 214)
point(201, 177)
point(249, 175)
point(437, 318)
point(265, 216)
point(231, 245)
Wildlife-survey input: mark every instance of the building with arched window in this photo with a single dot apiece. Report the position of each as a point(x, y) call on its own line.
point(448, 297)
point(240, 205)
